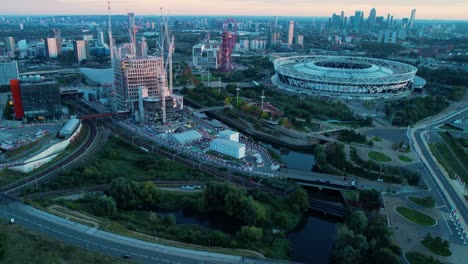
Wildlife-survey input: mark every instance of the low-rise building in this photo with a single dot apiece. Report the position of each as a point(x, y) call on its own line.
point(228, 147)
point(185, 137)
point(230, 135)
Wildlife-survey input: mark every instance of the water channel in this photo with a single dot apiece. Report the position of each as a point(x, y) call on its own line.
point(311, 242)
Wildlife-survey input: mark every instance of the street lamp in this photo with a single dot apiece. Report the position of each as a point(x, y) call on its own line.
point(237, 93)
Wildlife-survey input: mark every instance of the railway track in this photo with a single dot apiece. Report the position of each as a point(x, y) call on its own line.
point(49, 172)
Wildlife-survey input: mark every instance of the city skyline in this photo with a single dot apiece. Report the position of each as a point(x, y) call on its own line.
point(429, 9)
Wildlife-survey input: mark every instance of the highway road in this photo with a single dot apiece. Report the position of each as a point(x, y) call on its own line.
point(107, 243)
point(437, 180)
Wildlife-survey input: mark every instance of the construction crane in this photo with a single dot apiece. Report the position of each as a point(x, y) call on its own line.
point(112, 55)
point(168, 40)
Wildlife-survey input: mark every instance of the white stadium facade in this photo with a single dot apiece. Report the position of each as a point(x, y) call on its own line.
point(345, 77)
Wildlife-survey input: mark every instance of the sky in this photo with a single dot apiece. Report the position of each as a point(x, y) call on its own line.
point(426, 9)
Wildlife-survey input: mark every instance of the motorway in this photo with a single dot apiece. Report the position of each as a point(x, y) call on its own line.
point(107, 243)
point(437, 180)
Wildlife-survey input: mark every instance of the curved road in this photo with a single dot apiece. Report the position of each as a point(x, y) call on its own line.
point(437, 180)
point(104, 242)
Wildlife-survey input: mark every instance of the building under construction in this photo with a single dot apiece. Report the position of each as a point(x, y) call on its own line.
point(141, 84)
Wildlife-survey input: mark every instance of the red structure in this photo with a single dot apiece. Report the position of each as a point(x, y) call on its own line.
point(17, 102)
point(228, 41)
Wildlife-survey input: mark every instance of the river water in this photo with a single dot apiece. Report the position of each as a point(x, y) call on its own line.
point(313, 239)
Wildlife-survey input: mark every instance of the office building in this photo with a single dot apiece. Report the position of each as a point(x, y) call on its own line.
point(52, 47)
point(54, 33)
point(22, 45)
point(142, 48)
point(101, 41)
point(36, 98)
point(205, 55)
point(411, 21)
point(8, 71)
point(300, 41)
point(291, 33)
point(9, 44)
point(132, 73)
point(372, 17)
point(81, 48)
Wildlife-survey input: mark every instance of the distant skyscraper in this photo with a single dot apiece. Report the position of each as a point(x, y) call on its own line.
point(8, 71)
point(9, 44)
point(290, 33)
point(372, 16)
point(413, 16)
point(22, 45)
point(300, 40)
point(81, 48)
point(101, 39)
point(51, 47)
point(142, 48)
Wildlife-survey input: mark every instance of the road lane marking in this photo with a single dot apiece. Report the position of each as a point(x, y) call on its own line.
point(448, 226)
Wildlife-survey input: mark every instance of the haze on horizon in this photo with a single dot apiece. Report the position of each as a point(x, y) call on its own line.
point(426, 9)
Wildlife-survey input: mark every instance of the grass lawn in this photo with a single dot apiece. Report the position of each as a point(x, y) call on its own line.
point(378, 156)
point(450, 163)
point(441, 251)
point(416, 216)
point(376, 139)
point(24, 246)
point(418, 258)
point(425, 201)
point(405, 158)
point(119, 158)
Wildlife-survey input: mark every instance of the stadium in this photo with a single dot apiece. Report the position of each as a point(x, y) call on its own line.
point(344, 77)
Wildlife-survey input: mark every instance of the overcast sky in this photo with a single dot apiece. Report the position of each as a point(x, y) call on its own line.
point(426, 9)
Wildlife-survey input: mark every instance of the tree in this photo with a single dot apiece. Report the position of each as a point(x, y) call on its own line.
point(124, 192)
point(251, 233)
point(299, 200)
point(104, 206)
point(148, 194)
point(233, 201)
point(386, 256)
point(358, 222)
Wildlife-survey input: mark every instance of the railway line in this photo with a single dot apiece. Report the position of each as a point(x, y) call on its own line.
point(50, 171)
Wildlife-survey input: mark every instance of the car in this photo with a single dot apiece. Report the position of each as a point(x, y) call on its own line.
point(126, 256)
point(12, 220)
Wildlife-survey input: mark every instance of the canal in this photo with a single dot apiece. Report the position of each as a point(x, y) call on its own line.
point(311, 242)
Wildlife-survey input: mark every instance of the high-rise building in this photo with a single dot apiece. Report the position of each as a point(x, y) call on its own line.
point(51, 47)
point(101, 39)
point(38, 98)
point(22, 45)
point(8, 71)
point(300, 41)
point(372, 17)
point(413, 16)
point(142, 48)
point(9, 44)
point(132, 73)
point(291, 33)
point(81, 48)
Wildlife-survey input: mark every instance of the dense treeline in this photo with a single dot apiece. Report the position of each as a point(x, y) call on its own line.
point(408, 112)
point(136, 206)
point(365, 240)
point(351, 136)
